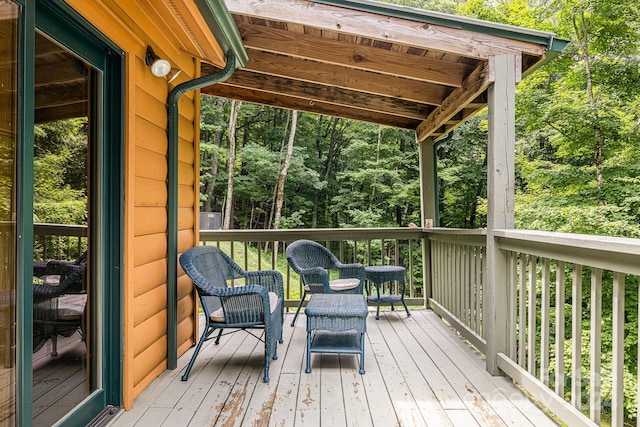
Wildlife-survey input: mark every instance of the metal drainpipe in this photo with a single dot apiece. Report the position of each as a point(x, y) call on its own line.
point(172, 202)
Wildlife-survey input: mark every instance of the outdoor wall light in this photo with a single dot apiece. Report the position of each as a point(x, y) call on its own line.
point(160, 67)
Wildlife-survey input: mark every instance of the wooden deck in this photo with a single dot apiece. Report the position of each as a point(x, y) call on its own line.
point(418, 373)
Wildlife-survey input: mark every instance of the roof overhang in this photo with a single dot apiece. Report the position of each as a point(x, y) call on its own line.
point(372, 61)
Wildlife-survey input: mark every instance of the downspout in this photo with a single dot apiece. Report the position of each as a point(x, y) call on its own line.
point(172, 202)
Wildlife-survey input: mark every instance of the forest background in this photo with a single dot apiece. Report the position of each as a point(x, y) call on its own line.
point(577, 148)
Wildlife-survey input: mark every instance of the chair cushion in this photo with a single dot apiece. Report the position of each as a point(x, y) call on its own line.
point(344, 284)
point(71, 307)
point(218, 315)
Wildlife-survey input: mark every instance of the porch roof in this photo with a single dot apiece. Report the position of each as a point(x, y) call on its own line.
point(372, 61)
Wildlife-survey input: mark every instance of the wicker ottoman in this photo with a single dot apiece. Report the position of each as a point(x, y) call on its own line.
point(336, 323)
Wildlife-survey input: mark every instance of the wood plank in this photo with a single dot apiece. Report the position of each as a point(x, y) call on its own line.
point(383, 28)
point(476, 83)
point(332, 408)
point(309, 105)
point(335, 76)
point(355, 398)
point(407, 410)
point(354, 56)
point(399, 338)
point(335, 95)
point(499, 392)
point(227, 380)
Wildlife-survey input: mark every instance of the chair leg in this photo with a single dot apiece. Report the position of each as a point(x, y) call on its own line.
point(202, 339)
point(295, 317)
point(54, 345)
point(218, 337)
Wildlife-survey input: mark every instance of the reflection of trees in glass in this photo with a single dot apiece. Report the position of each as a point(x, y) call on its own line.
point(60, 172)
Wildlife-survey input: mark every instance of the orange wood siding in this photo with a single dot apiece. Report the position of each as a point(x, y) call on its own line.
point(132, 25)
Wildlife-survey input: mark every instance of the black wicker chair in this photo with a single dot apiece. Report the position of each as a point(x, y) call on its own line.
point(312, 262)
point(59, 309)
point(258, 304)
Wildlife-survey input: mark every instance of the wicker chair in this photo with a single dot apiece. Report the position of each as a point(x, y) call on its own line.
point(257, 305)
point(312, 262)
point(59, 309)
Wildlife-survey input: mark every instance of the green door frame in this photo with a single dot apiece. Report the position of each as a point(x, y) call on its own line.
point(67, 27)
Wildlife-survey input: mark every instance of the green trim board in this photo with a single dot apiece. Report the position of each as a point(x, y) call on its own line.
point(62, 23)
point(224, 29)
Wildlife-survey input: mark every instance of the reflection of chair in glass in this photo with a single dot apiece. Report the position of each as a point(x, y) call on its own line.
point(257, 305)
point(313, 262)
point(59, 309)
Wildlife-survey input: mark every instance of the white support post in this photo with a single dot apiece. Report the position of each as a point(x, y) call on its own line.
point(428, 206)
point(500, 193)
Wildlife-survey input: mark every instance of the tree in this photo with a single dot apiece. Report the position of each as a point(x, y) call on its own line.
point(233, 119)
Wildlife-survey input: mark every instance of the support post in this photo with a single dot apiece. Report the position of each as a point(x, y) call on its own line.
point(500, 193)
point(428, 207)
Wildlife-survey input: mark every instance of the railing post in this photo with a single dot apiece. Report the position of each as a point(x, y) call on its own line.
point(500, 193)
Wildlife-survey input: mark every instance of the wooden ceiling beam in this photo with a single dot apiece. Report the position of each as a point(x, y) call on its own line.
point(334, 75)
point(69, 111)
point(69, 71)
point(55, 96)
point(354, 56)
point(313, 92)
point(378, 27)
point(324, 108)
point(474, 85)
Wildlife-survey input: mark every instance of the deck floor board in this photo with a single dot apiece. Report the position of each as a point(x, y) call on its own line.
point(418, 373)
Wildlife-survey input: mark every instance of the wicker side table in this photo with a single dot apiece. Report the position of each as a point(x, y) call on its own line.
point(379, 274)
point(336, 323)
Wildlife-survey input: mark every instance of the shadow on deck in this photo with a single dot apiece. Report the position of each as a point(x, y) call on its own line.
point(418, 372)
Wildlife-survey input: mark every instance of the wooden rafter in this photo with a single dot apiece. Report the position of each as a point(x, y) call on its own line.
point(355, 56)
point(477, 82)
point(379, 27)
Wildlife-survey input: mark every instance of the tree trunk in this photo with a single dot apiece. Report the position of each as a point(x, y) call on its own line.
point(211, 184)
point(283, 175)
point(582, 36)
point(233, 119)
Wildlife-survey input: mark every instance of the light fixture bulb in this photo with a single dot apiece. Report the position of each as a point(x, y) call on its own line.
point(160, 67)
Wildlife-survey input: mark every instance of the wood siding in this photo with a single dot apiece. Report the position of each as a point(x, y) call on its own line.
point(133, 25)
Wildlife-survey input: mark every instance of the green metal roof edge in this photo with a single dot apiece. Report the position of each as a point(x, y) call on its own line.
point(224, 29)
point(453, 21)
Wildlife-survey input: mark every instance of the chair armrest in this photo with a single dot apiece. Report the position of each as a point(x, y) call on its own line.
point(270, 279)
point(243, 305)
point(355, 270)
point(316, 278)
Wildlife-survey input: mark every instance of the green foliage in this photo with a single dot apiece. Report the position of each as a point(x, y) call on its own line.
point(60, 177)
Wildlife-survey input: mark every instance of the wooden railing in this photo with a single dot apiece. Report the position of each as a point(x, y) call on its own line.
point(552, 284)
point(553, 316)
point(59, 241)
point(458, 264)
point(253, 249)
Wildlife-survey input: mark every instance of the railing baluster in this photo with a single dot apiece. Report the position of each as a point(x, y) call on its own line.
point(595, 397)
point(522, 333)
point(576, 338)
point(412, 286)
point(512, 304)
point(532, 331)
point(560, 329)
point(617, 413)
point(545, 319)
